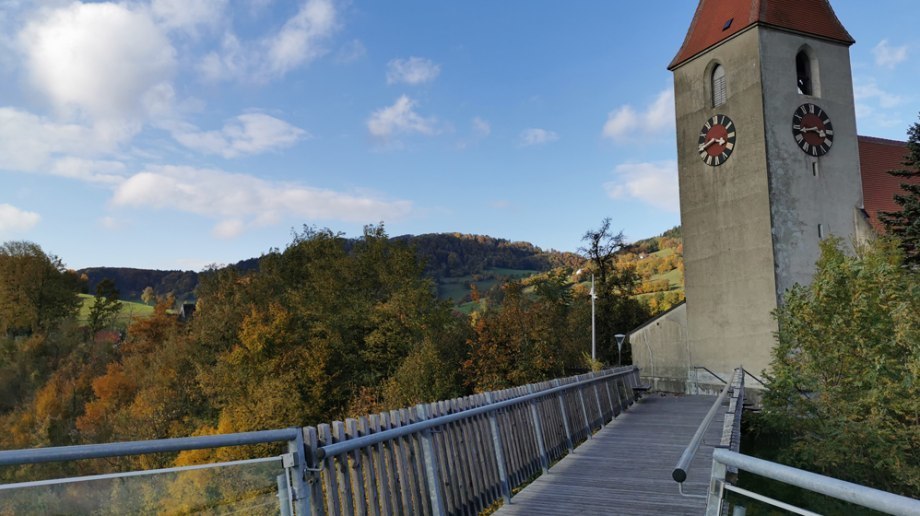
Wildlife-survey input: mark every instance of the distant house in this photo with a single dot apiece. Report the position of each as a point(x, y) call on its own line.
point(186, 311)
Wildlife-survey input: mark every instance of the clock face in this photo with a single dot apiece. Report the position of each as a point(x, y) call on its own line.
point(812, 130)
point(717, 140)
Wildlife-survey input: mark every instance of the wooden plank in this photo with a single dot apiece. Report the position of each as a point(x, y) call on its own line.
point(439, 437)
point(379, 470)
point(456, 461)
point(489, 467)
point(416, 464)
point(469, 458)
point(330, 483)
point(369, 478)
point(356, 471)
point(342, 472)
point(401, 454)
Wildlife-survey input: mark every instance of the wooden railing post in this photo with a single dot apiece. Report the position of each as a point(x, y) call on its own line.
point(499, 452)
point(538, 429)
point(430, 456)
point(565, 417)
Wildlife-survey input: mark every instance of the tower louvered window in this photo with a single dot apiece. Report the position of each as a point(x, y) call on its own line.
point(719, 95)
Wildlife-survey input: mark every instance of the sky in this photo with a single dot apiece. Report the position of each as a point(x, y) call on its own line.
point(175, 134)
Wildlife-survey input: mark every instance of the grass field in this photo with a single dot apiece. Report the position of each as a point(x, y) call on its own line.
point(128, 312)
point(456, 289)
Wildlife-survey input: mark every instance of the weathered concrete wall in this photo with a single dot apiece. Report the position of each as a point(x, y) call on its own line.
point(801, 199)
point(660, 350)
point(725, 214)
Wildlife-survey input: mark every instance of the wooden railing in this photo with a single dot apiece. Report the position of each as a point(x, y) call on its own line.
point(457, 456)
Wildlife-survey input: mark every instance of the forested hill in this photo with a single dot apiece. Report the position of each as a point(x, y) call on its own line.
point(444, 254)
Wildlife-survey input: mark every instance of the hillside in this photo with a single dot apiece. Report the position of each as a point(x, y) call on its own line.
point(448, 259)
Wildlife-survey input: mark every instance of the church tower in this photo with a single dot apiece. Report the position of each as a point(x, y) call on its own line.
point(768, 166)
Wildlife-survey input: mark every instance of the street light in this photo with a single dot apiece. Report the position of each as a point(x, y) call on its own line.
point(620, 338)
point(593, 297)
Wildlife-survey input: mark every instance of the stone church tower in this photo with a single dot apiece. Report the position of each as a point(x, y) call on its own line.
point(768, 165)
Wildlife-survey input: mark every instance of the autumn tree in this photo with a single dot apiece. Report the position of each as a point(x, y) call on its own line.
point(844, 387)
point(905, 223)
point(617, 310)
point(148, 296)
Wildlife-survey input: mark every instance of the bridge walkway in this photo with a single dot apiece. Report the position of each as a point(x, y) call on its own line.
point(626, 468)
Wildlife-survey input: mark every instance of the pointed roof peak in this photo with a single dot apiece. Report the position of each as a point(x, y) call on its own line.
point(717, 20)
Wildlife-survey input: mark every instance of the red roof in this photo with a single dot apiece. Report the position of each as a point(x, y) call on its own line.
point(711, 25)
point(876, 157)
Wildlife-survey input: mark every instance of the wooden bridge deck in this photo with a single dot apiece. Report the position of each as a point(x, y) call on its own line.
point(626, 468)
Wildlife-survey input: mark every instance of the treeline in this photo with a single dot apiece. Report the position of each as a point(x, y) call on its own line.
point(443, 255)
point(325, 329)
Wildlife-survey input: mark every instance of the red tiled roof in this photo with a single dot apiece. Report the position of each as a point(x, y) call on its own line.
point(876, 157)
point(815, 17)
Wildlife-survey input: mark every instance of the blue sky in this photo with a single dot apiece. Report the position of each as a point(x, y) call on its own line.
point(157, 135)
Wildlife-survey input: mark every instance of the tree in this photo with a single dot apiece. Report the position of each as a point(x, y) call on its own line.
point(36, 291)
point(844, 390)
point(617, 310)
point(105, 306)
point(148, 296)
point(905, 224)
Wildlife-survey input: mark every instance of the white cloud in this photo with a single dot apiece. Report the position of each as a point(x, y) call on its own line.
point(99, 59)
point(188, 16)
point(14, 220)
point(247, 134)
point(414, 70)
point(299, 41)
point(399, 118)
point(239, 202)
point(29, 143)
point(481, 127)
point(652, 183)
point(90, 171)
point(869, 90)
point(535, 136)
point(887, 56)
point(657, 119)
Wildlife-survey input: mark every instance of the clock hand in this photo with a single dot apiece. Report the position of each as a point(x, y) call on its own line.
point(720, 141)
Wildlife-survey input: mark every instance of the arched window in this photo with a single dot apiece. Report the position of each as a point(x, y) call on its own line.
point(719, 94)
point(804, 81)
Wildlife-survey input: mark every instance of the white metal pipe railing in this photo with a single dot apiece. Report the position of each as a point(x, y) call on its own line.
point(683, 464)
point(847, 491)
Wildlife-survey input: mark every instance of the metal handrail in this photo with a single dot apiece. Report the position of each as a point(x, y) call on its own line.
point(339, 448)
point(121, 449)
point(847, 491)
point(680, 469)
point(704, 368)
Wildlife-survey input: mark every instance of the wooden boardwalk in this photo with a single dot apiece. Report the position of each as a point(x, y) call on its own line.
point(626, 468)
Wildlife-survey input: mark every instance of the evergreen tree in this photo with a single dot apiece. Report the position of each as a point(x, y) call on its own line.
point(905, 224)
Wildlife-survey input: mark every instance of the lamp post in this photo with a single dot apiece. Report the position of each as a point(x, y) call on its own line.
point(620, 338)
point(593, 330)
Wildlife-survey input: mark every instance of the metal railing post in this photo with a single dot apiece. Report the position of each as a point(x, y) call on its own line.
point(584, 411)
point(565, 418)
point(714, 496)
point(430, 457)
point(302, 494)
point(600, 412)
point(499, 452)
point(283, 495)
point(538, 430)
